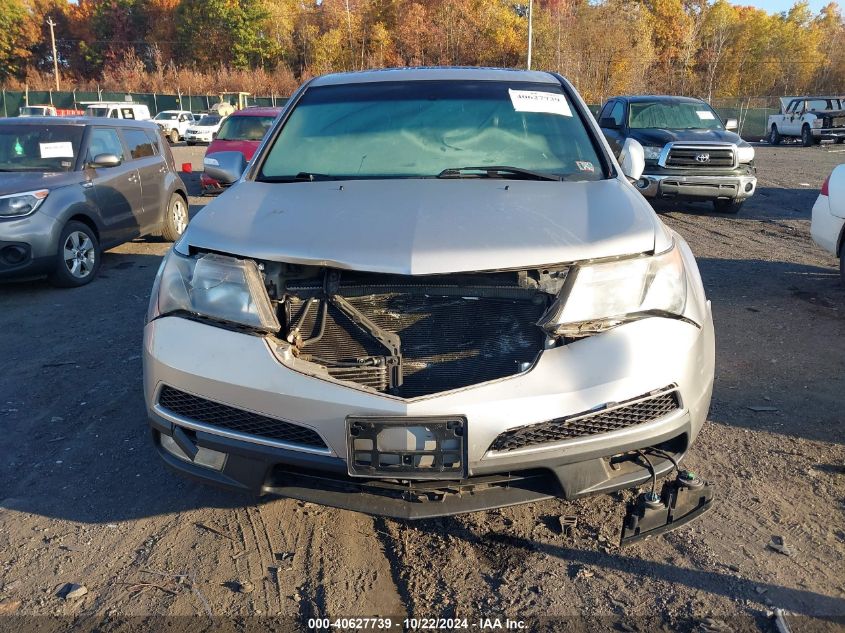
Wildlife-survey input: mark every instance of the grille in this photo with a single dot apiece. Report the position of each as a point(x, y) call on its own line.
point(448, 342)
point(234, 419)
point(680, 156)
point(636, 412)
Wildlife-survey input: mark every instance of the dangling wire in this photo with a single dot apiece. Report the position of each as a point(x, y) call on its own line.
point(652, 471)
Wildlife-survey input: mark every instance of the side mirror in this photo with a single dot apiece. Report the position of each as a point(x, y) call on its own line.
point(106, 160)
point(609, 123)
point(632, 159)
point(225, 167)
point(731, 124)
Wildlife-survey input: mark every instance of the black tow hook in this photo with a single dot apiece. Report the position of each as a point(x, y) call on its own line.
point(680, 501)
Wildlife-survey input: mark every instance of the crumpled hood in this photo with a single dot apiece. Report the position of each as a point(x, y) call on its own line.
point(18, 182)
point(421, 226)
point(654, 136)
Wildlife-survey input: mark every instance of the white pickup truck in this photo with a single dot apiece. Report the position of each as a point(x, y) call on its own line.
point(811, 119)
point(174, 123)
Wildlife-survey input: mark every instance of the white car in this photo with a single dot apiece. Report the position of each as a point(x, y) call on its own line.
point(174, 123)
point(828, 225)
point(204, 130)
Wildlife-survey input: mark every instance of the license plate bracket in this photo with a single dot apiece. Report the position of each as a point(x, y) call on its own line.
point(407, 448)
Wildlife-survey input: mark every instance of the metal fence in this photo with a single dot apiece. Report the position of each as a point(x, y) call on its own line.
point(751, 112)
point(11, 101)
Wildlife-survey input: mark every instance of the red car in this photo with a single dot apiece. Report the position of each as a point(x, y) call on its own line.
point(241, 132)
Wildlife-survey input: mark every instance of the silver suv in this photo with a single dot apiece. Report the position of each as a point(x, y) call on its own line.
point(70, 188)
point(431, 291)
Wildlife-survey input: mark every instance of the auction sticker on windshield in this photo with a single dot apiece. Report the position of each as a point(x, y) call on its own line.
point(538, 101)
point(62, 149)
point(704, 115)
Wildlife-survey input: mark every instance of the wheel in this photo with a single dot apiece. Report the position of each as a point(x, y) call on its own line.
point(78, 259)
point(774, 136)
point(174, 136)
point(727, 205)
point(807, 139)
point(175, 219)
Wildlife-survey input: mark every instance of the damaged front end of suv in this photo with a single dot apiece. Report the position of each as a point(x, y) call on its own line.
point(439, 339)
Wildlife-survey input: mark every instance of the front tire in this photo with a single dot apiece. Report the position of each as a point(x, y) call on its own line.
point(78, 259)
point(175, 218)
point(174, 136)
point(807, 139)
point(774, 135)
point(727, 205)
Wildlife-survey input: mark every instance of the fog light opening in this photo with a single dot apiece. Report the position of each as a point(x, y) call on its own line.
point(205, 457)
point(748, 187)
point(14, 255)
point(642, 183)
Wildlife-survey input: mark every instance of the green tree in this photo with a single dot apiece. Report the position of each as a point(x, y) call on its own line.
point(17, 35)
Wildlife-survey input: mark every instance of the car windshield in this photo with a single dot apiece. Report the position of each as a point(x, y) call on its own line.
point(672, 115)
point(39, 147)
point(209, 121)
point(167, 116)
point(33, 110)
point(245, 128)
point(422, 129)
point(101, 112)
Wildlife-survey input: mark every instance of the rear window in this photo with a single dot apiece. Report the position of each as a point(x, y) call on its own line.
point(245, 128)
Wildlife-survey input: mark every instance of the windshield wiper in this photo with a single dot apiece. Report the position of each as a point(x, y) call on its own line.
point(303, 176)
point(496, 171)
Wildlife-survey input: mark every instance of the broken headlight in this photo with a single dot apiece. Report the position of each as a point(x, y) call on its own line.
point(215, 287)
point(597, 297)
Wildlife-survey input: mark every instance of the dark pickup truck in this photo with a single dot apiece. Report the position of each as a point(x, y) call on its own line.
point(689, 152)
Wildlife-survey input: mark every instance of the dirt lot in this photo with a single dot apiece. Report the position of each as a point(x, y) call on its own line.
point(84, 499)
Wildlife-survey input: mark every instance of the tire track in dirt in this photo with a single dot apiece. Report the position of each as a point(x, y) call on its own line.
point(340, 567)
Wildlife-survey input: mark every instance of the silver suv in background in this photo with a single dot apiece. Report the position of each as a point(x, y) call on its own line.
point(431, 291)
point(72, 187)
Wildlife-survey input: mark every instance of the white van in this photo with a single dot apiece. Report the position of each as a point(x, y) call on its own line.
point(118, 110)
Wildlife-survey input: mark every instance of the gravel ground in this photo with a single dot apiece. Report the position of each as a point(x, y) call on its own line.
point(84, 499)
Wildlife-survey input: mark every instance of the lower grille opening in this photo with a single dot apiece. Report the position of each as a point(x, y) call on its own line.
point(223, 416)
point(638, 411)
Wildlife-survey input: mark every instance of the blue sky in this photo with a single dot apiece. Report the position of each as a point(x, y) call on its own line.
point(776, 6)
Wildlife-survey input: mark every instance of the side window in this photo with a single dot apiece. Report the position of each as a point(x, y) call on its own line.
point(153, 136)
point(114, 114)
point(618, 113)
point(127, 113)
point(605, 111)
point(139, 143)
point(104, 140)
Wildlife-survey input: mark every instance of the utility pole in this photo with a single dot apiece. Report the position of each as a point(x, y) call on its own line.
point(530, 29)
point(55, 56)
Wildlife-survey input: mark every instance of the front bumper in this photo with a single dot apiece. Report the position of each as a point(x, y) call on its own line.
point(242, 371)
point(696, 186)
point(28, 245)
point(829, 134)
point(198, 138)
point(825, 228)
